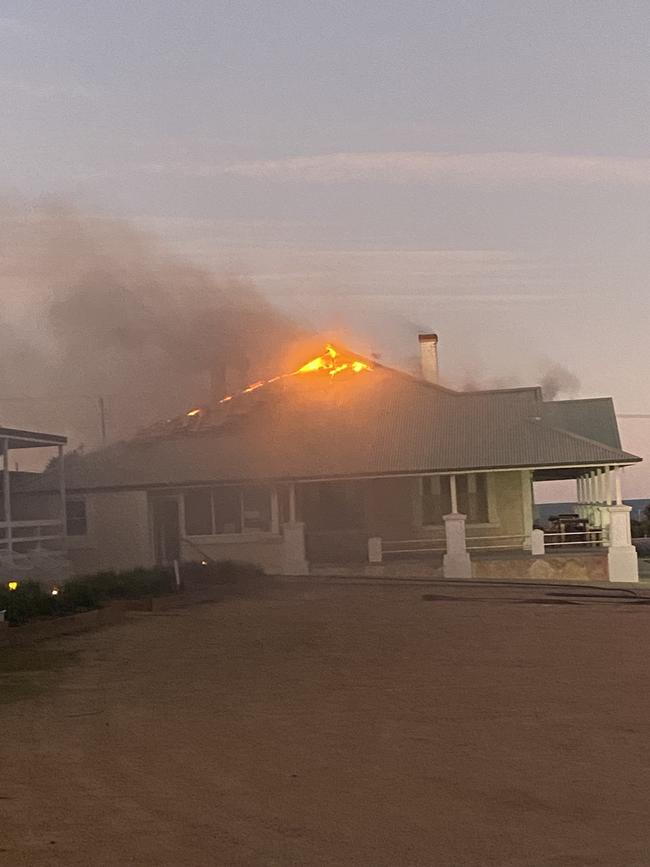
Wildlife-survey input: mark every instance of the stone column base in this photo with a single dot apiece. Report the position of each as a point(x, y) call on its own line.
point(623, 564)
point(457, 566)
point(294, 560)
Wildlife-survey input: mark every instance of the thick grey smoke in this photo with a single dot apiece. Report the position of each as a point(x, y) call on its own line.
point(558, 380)
point(555, 381)
point(92, 307)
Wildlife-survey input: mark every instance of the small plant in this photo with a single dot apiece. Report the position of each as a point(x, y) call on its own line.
point(26, 601)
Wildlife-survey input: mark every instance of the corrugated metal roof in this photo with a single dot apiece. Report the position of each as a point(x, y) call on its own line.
point(372, 423)
point(594, 418)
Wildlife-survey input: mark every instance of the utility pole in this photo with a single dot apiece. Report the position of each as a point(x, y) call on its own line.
point(102, 418)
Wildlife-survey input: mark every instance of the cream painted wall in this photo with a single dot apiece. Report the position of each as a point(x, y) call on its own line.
point(118, 533)
point(394, 512)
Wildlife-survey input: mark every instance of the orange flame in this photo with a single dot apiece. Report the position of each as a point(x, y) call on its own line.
point(330, 361)
point(254, 386)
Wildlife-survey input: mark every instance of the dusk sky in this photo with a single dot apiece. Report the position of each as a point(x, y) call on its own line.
point(480, 169)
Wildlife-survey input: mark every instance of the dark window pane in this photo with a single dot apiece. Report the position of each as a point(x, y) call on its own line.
point(436, 499)
point(334, 506)
point(283, 503)
point(462, 496)
point(227, 510)
point(477, 507)
point(76, 523)
point(198, 513)
point(257, 508)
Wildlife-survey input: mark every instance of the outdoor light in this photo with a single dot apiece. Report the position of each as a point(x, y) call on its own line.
point(204, 562)
point(12, 585)
point(55, 591)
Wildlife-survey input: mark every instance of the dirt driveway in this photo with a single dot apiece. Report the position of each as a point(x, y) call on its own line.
point(338, 725)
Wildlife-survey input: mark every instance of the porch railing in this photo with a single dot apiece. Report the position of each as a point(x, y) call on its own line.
point(29, 532)
point(413, 546)
point(591, 537)
point(508, 543)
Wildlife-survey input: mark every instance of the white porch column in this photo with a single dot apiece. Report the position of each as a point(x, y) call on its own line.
point(63, 505)
point(580, 495)
point(527, 507)
point(294, 555)
point(292, 503)
point(6, 494)
point(595, 498)
point(275, 511)
point(454, 494)
point(608, 486)
point(621, 555)
point(456, 562)
point(619, 493)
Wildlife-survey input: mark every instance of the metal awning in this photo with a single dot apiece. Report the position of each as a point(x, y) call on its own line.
point(28, 439)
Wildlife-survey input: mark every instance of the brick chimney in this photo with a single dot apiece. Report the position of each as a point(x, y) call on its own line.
point(429, 356)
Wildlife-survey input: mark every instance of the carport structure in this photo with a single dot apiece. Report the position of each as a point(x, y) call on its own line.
point(19, 537)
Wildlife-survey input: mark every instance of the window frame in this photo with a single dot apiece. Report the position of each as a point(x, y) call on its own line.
point(243, 532)
point(491, 505)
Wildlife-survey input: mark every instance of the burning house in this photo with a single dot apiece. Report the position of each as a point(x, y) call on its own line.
point(346, 464)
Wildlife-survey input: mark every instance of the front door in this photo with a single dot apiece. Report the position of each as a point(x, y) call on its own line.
point(166, 530)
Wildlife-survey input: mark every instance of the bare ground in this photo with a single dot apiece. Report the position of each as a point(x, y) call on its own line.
point(337, 725)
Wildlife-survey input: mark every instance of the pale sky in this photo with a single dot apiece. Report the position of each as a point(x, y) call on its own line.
point(481, 169)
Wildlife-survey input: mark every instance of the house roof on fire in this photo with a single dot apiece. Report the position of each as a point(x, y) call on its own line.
point(370, 422)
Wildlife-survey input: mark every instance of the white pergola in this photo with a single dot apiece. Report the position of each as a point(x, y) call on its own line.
point(14, 532)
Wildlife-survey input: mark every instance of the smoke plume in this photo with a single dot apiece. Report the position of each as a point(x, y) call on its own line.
point(92, 307)
point(555, 381)
point(558, 380)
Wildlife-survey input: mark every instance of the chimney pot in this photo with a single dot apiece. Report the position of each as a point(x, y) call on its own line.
point(429, 356)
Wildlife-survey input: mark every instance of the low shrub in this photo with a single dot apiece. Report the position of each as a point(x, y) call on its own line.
point(27, 601)
point(31, 600)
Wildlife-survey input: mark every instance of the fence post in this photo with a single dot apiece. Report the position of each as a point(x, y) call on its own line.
point(375, 554)
point(537, 543)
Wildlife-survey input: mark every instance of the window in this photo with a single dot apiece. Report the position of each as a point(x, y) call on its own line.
point(198, 513)
point(220, 511)
point(76, 521)
point(256, 509)
point(333, 505)
point(472, 497)
point(227, 510)
point(436, 499)
point(471, 493)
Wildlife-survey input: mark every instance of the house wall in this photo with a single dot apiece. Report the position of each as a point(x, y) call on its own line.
point(393, 512)
point(508, 492)
point(119, 527)
point(118, 534)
